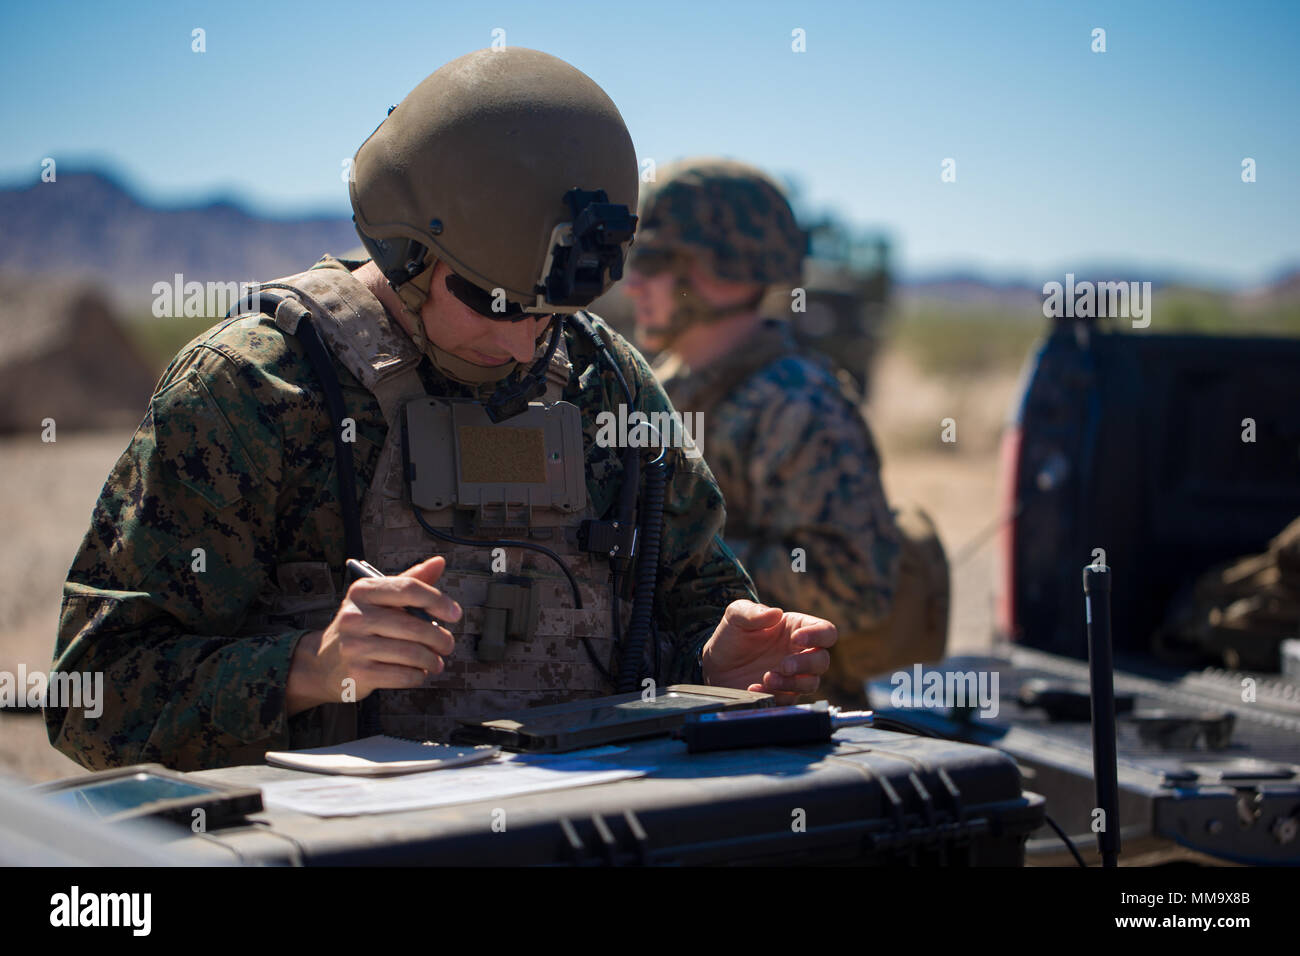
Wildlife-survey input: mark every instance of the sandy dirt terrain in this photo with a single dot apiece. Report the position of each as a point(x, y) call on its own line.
point(47, 491)
point(956, 482)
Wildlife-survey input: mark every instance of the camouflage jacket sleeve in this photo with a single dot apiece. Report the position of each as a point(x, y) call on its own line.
point(698, 574)
point(809, 517)
point(220, 477)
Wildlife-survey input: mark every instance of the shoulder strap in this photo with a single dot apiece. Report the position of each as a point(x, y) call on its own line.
point(288, 312)
point(358, 332)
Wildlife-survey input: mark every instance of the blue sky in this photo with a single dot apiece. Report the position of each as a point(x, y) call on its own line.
point(1064, 157)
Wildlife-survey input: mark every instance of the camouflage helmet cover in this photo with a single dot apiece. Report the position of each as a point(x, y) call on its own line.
point(726, 212)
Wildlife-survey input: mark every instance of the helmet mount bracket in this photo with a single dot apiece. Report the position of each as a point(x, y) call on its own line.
point(583, 251)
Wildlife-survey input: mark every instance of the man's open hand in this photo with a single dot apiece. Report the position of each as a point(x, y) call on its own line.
point(765, 649)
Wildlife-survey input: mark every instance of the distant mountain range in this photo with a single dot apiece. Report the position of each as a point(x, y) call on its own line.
point(1025, 298)
point(88, 225)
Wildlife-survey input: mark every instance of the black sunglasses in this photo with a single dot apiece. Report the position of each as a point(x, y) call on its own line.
point(485, 303)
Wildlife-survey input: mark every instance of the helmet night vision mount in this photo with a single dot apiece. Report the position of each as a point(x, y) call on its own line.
point(584, 251)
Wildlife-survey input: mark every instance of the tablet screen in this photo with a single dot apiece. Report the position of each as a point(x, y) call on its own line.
point(106, 798)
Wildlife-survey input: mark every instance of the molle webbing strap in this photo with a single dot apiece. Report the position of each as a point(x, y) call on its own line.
point(324, 368)
point(368, 716)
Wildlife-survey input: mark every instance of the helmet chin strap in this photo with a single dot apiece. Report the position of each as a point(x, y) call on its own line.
point(413, 294)
point(415, 290)
point(468, 373)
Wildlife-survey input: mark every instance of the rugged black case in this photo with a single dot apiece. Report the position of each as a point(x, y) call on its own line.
point(871, 797)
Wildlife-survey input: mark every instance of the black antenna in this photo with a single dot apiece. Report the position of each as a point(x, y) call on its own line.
point(1101, 674)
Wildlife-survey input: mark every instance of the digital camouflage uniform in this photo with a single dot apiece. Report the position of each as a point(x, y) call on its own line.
point(232, 471)
point(800, 474)
point(785, 437)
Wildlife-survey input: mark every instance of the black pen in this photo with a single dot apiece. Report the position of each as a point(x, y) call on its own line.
point(365, 570)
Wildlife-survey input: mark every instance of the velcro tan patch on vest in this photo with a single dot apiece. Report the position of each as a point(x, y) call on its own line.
point(495, 453)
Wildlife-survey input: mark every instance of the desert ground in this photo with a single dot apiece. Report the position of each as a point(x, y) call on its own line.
point(47, 491)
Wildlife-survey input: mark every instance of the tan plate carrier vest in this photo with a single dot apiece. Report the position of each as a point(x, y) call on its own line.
point(551, 666)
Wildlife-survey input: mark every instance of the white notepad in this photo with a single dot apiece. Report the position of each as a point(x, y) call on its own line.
point(380, 756)
point(496, 779)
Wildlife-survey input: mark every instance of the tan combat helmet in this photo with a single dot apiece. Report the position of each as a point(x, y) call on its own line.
point(512, 167)
point(729, 217)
